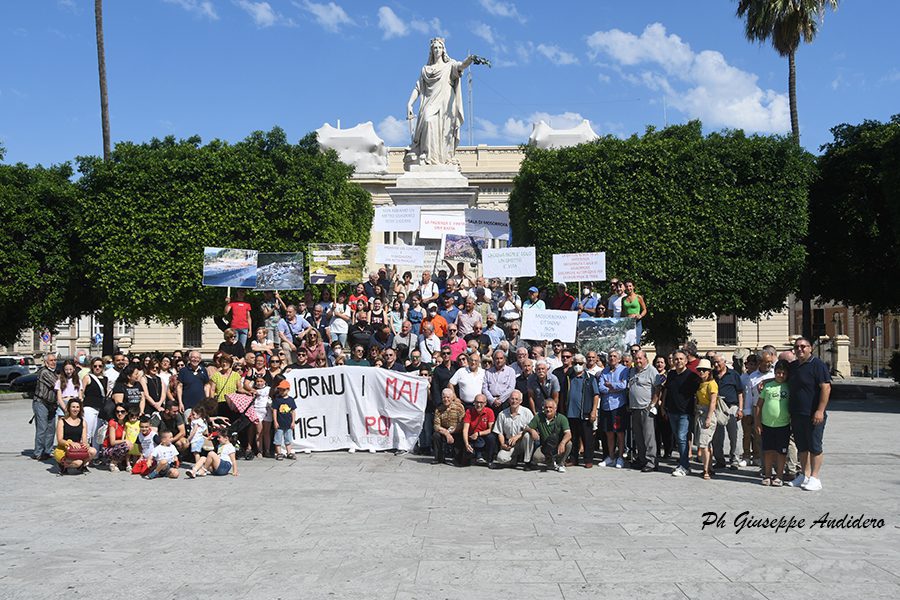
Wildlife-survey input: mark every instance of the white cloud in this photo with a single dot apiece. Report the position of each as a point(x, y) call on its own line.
point(392, 25)
point(517, 131)
point(393, 131)
point(261, 12)
point(330, 16)
point(200, 8)
point(484, 31)
point(701, 85)
point(891, 76)
point(498, 8)
point(68, 5)
point(428, 27)
point(557, 56)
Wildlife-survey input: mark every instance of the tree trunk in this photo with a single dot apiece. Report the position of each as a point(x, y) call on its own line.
point(792, 97)
point(106, 319)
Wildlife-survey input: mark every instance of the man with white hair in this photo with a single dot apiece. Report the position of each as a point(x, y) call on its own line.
point(581, 410)
point(542, 386)
point(514, 442)
point(43, 405)
point(499, 383)
point(642, 399)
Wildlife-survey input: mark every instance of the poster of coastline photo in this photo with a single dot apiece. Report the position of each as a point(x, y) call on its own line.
point(229, 267)
point(280, 271)
point(335, 263)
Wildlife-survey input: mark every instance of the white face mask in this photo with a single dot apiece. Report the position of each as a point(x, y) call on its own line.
point(587, 291)
point(579, 369)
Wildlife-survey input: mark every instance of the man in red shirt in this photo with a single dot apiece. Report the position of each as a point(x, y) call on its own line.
point(238, 312)
point(478, 439)
point(563, 300)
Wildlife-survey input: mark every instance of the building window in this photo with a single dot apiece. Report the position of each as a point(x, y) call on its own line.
point(726, 330)
point(818, 322)
point(192, 333)
point(895, 334)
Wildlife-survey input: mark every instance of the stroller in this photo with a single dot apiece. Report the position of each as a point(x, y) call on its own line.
point(242, 405)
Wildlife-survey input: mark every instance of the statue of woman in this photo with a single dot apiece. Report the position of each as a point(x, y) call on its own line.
point(440, 107)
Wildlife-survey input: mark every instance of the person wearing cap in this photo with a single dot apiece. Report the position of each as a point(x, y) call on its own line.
point(428, 289)
point(437, 321)
point(534, 300)
point(284, 409)
point(707, 396)
point(562, 300)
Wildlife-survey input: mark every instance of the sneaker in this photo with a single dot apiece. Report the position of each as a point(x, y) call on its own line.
point(799, 481)
point(620, 464)
point(128, 468)
point(679, 472)
point(813, 485)
point(113, 468)
point(560, 468)
point(309, 451)
point(480, 461)
point(351, 450)
point(733, 465)
point(371, 451)
point(608, 462)
point(742, 463)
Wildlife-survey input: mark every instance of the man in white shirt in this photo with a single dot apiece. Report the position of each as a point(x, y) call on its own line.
point(614, 304)
point(469, 381)
point(430, 345)
point(763, 373)
point(428, 289)
point(514, 441)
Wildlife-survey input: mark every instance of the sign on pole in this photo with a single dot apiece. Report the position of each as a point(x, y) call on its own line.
point(436, 224)
point(280, 271)
point(509, 262)
point(229, 267)
point(335, 263)
point(396, 218)
point(539, 324)
point(583, 266)
point(400, 254)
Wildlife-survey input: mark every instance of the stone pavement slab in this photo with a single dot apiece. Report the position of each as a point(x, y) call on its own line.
point(380, 526)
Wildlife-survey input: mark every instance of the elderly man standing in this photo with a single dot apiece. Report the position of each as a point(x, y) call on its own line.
point(514, 442)
point(542, 386)
point(551, 432)
point(731, 390)
point(499, 382)
point(430, 345)
point(642, 399)
point(493, 332)
point(469, 381)
point(43, 405)
point(467, 319)
point(584, 398)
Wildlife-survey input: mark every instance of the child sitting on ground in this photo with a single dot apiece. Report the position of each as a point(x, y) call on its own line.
point(198, 432)
point(223, 462)
point(283, 413)
point(164, 458)
point(771, 411)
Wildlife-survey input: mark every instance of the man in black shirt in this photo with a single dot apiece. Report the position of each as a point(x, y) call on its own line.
point(680, 389)
point(562, 374)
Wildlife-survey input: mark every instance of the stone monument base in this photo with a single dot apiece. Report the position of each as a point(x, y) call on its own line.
point(436, 186)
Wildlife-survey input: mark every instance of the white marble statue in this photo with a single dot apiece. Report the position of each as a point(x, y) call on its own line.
point(439, 91)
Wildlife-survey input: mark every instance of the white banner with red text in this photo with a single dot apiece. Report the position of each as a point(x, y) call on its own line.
point(364, 408)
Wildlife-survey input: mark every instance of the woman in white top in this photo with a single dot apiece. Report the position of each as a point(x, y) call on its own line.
point(510, 309)
point(340, 316)
point(67, 388)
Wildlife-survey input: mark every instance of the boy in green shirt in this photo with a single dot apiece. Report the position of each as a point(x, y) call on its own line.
point(773, 420)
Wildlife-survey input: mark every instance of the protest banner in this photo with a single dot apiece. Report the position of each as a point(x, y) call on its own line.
point(509, 262)
point(482, 223)
point(229, 267)
point(400, 254)
point(464, 247)
point(435, 224)
point(540, 324)
point(604, 334)
point(583, 266)
point(335, 263)
point(280, 271)
point(357, 407)
point(396, 218)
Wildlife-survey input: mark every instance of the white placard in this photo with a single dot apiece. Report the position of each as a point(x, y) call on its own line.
point(583, 266)
point(487, 223)
point(509, 262)
point(539, 324)
point(435, 224)
point(400, 254)
point(396, 218)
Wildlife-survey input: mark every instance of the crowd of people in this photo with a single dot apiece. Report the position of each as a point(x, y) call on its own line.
point(493, 398)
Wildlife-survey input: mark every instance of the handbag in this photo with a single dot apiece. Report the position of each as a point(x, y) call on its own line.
point(77, 452)
point(721, 412)
point(140, 467)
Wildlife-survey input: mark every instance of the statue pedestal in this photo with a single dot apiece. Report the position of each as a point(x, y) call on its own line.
point(434, 186)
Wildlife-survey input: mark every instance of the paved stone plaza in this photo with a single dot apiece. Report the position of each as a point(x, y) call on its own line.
point(341, 525)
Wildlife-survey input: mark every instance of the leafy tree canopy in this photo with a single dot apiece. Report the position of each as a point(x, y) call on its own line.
point(703, 225)
point(146, 215)
point(854, 227)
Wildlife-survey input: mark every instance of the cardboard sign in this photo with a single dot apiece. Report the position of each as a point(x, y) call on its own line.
point(539, 324)
point(396, 218)
point(229, 267)
point(400, 254)
point(357, 407)
point(482, 223)
point(509, 262)
point(436, 224)
point(583, 266)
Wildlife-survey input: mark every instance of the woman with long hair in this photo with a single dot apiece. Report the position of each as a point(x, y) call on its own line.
point(397, 316)
point(128, 389)
point(314, 345)
point(115, 445)
point(67, 387)
point(94, 386)
point(154, 391)
point(71, 437)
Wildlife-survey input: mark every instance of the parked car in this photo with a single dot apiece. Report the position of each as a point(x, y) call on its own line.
point(25, 384)
point(13, 366)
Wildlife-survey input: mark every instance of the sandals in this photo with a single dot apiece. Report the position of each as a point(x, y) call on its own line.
point(291, 456)
point(707, 475)
point(190, 474)
point(279, 457)
point(776, 482)
point(766, 481)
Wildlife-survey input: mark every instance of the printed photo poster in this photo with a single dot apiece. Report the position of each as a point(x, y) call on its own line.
point(335, 263)
point(280, 271)
point(604, 334)
point(229, 267)
point(539, 324)
point(491, 224)
point(396, 218)
point(464, 247)
point(509, 262)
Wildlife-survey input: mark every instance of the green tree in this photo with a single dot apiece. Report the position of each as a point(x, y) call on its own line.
point(39, 277)
point(148, 212)
point(854, 226)
point(703, 225)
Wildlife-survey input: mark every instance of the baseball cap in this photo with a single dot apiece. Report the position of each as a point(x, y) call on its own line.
point(284, 385)
point(432, 305)
point(533, 289)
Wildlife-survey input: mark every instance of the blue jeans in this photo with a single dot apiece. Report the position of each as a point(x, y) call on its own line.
point(44, 428)
point(680, 425)
point(242, 336)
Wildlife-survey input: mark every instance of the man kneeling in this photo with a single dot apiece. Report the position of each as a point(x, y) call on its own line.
point(552, 434)
point(515, 443)
point(477, 440)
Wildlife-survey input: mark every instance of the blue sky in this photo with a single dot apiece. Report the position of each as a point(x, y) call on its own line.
point(223, 68)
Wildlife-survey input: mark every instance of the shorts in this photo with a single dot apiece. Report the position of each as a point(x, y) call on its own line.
point(284, 437)
point(704, 435)
point(197, 444)
point(264, 414)
point(807, 436)
point(613, 420)
point(776, 439)
point(224, 468)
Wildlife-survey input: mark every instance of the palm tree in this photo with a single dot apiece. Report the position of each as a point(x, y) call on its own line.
point(106, 317)
point(785, 22)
